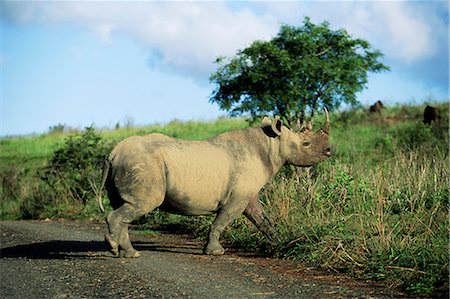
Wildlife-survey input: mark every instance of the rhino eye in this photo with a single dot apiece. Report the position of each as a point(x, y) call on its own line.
point(306, 143)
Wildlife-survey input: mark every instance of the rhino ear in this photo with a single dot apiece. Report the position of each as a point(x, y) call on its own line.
point(272, 128)
point(276, 125)
point(266, 121)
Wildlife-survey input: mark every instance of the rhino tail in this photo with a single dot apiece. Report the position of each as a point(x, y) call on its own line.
point(106, 166)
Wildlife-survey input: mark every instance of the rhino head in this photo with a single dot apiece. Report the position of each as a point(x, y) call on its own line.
point(304, 148)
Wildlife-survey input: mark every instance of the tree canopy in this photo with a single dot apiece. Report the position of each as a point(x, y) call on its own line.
point(298, 71)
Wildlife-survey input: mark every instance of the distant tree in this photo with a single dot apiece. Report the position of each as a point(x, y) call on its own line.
point(57, 129)
point(298, 71)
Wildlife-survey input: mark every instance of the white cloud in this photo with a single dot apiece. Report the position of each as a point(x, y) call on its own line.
point(188, 36)
point(410, 36)
point(191, 35)
point(407, 31)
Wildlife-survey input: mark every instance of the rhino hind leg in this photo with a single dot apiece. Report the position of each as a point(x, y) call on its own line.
point(112, 238)
point(118, 221)
point(255, 213)
point(118, 238)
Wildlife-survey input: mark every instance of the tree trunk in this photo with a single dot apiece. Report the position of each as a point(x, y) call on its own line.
point(313, 107)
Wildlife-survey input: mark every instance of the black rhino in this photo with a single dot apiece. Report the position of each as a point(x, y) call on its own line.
point(221, 176)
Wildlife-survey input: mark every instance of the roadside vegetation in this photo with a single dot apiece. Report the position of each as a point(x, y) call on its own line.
point(377, 209)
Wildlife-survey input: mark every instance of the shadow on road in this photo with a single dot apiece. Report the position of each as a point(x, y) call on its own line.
point(85, 249)
point(54, 250)
point(185, 248)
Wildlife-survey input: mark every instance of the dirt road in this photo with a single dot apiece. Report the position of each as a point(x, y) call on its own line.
point(68, 259)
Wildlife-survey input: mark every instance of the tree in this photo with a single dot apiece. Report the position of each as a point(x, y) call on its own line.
point(298, 71)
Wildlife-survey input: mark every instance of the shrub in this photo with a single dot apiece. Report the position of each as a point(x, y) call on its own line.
point(76, 167)
point(10, 182)
point(414, 136)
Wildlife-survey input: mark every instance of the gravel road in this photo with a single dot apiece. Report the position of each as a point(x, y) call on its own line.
point(68, 259)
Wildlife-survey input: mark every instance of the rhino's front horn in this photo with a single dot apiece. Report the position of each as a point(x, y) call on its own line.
point(326, 126)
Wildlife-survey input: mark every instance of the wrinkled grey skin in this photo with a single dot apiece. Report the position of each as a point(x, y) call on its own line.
point(221, 176)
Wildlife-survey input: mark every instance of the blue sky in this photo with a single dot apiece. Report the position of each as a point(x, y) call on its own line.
point(102, 63)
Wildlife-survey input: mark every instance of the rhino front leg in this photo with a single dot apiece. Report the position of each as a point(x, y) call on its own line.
point(224, 217)
point(254, 211)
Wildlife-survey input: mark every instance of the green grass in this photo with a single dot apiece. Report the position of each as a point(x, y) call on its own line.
point(377, 209)
point(191, 130)
point(30, 151)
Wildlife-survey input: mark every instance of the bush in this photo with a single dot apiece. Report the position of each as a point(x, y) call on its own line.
point(76, 167)
point(414, 136)
point(10, 182)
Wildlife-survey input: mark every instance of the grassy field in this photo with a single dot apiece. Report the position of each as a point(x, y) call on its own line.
point(378, 209)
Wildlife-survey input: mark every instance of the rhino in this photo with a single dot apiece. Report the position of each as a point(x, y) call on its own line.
point(376, 107)
point(221, 175)
point(430, 114)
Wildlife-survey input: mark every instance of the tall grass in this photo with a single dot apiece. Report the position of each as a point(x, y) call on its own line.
point(388, 221)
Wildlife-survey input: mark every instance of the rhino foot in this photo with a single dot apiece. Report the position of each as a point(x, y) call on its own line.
point(214, 250)
point(130, 253)
point(114, 246)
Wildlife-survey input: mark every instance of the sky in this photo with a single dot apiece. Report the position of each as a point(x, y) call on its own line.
point(81, 63)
